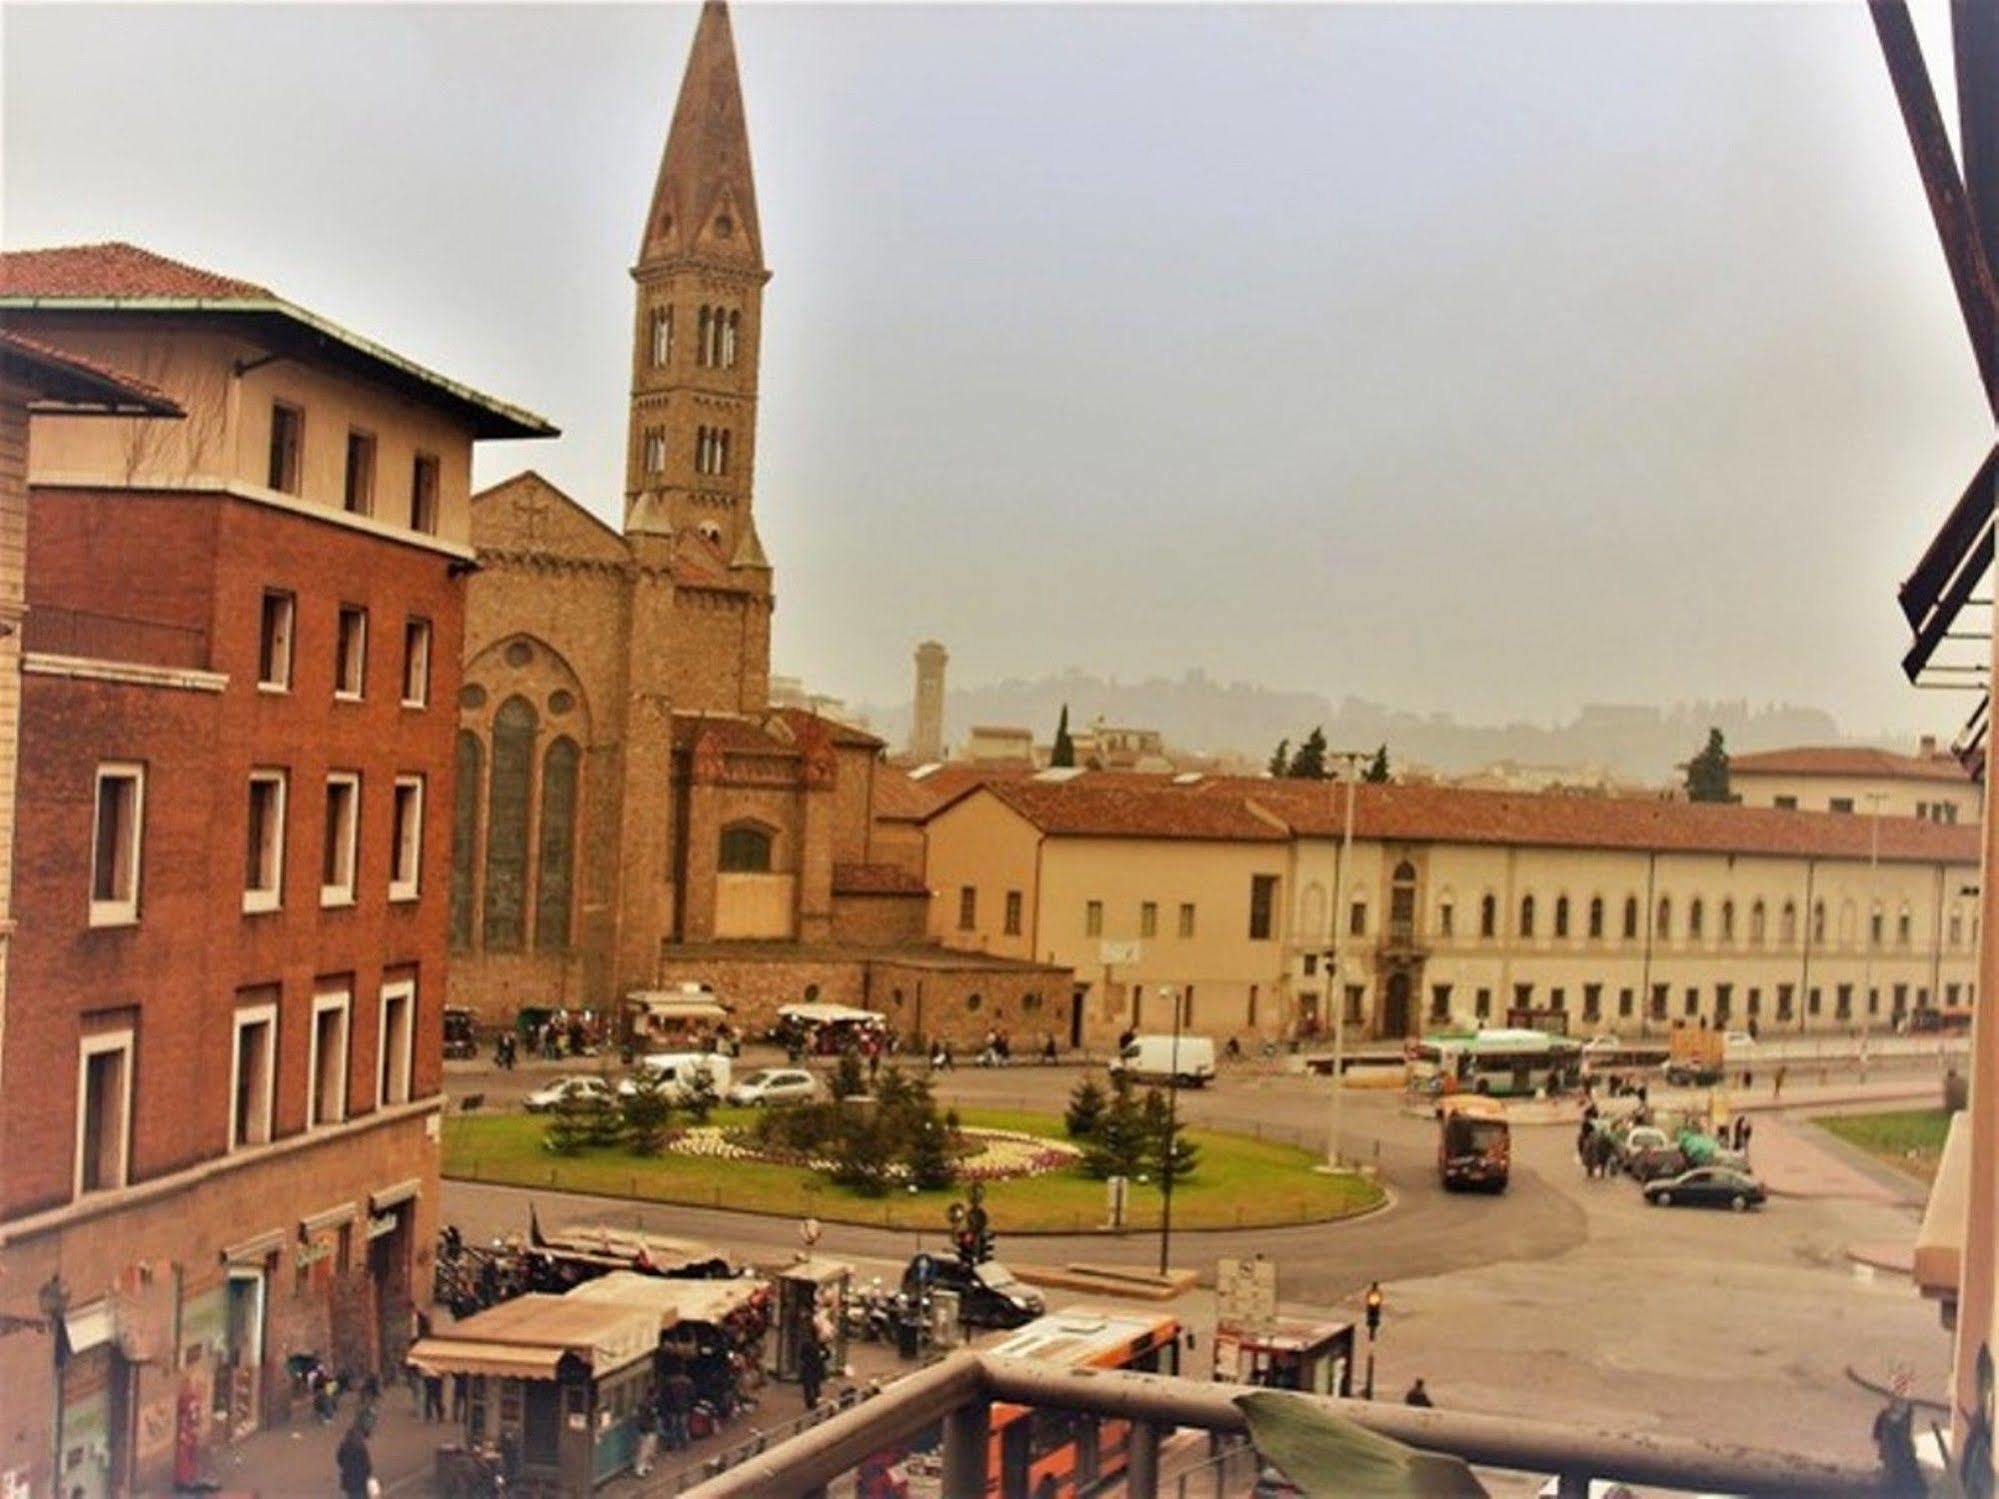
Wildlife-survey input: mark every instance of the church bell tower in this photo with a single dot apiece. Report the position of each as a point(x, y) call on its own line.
point(690, 455)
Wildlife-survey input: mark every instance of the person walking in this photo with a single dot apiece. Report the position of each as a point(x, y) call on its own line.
point(1418, 1395)
point(676, 1400)
point(811, 1365)
point(648, 1429)
point(357, 1468)
point(1742, 1133)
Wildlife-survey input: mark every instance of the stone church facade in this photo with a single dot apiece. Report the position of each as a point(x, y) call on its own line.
point(629, 809)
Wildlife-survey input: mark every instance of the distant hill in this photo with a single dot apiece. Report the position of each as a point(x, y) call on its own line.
point(1198, 714)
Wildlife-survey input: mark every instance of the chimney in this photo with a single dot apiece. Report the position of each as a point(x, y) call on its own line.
point(926, 725)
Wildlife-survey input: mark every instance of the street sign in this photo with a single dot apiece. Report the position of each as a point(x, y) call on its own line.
point(924, 1269)
point(1116, 954)
point(1246, 1294)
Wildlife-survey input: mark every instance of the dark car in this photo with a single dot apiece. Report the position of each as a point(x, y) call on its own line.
point(989, 1295)
point(1707, 1187)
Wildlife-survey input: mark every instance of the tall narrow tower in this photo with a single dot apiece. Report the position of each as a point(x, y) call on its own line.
point(691, 453)
point(926, 728)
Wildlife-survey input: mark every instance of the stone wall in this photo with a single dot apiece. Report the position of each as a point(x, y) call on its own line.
point(879, 920)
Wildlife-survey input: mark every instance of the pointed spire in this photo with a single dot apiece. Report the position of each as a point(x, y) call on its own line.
point(705, 201)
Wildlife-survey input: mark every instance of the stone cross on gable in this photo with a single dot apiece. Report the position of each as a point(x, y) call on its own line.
point(531, 509)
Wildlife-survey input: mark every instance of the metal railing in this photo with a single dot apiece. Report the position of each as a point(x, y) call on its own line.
point(959, 1391)
point(763, 1439)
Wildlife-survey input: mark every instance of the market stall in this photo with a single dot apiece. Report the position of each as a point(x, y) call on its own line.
point(597, 1248)
point(811, 1294)
point(825, 1029)
point(712, 1329)
point(554, 1385)
point(689, 1017)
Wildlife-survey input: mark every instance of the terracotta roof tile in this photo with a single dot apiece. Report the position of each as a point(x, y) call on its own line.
point(116, 269)
point(1086, 808)
point(842, 733)
point(876, 879)
point(78, 378)
point(736, 735)
point(899, 799)
point(1850, 760)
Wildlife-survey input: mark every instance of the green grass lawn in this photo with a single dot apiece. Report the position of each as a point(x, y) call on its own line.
point(1239, 1182)
point(1910, 1140)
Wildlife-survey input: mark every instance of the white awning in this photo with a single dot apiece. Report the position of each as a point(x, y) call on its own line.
point(818, 1014)
point(402, 1191)
point(89, 1327)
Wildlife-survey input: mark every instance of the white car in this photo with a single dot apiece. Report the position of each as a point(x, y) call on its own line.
point(775, 1085)
point(583, 1088)
point(1735, 1043)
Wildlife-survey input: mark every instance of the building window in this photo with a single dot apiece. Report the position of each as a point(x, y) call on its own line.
point(1696, 918)
point(1093, 918)
point(116, 842)
point(1902, 929)
point(1841, 804)
point(343, 822)
point(1873, 1001)
point(1874, 927)
point(731, 330)
point(1755, 1003)
point(1186, 919)
point(406, 838)
point(1561, 916)
point(1784, 994)
point(1664, 925)
point(350, 653)
point(1526, 915)
point(1626, 1002)
point(1724, 1002)
point(1728, 921)
point(1630, 918)
point(662, 336)
point(1263, 905)
point(1787, 924)
point(396, 1050)
point(1523, 996)
point(1148, 918)
point(1693, 1004)
point(507, 789)
point(1357, 919)
point(1785, 803)
point(1596, 918)
point(1402, 900)
point(968, 907)
point(264, 847)
point(104, 1112)
point(416, 663)
point(423, 494)
point(326, 1066)
point(1356, 994)
point(555, 878)
point(1482, 1004)
point(1445, 914)
point(1311, 964)
point(1956, 928)
point(274, 641)
point(704, 347)
point(1488, 917)
point(1012, 925)
point(252, 1076)
point(1658, 1001)
point(287, 438)
point(465, 837)
point(1950, 996)
point(1440, 1001)
point(1558, 998)
point(655, 454)
point(1842, 1002)
point(359, 494)
point(1592, 1001)
point(1818, 921)
point(746, 849)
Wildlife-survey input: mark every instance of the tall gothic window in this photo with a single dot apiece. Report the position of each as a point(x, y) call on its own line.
point(730, 331)
point(465, 837)
point(706, 343)
point(745, 849)
point(553, 877)
point(507, 824)
point(662, 336)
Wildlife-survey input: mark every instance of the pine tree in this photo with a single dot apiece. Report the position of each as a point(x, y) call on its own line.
point(701, 1095)
point(1064, 751)
point(1377, 768)
point(865, 1151)
point(1118, 1147)
point(1086, 1109)
point(1707, 772)
point(603, 1123)
point(1166, 1145)
point(1309, 763)
point(568, 1125)
point(927, 1152)
point(1280, 759)
point(647, 1110)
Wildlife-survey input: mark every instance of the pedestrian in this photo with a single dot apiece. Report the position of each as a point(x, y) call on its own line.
point(1124, 1039)
point(648, 1428)
point(1583, 1133)
point(357, 1468)
point(676, 1400)
point(1048, 1049)
point(811, 1365)
point(433, 1397)
point(1418, 1395)
point(1742, 1132)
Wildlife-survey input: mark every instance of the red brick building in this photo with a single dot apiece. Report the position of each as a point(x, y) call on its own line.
point(221, 1077)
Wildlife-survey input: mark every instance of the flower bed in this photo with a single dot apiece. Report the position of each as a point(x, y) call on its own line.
point(988, 1154)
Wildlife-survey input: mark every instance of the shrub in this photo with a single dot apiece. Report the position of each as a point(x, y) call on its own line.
point(865, 1155)
point(701, 1096)
point(647, 1111)
point(848, 1079)
point(568, 1129)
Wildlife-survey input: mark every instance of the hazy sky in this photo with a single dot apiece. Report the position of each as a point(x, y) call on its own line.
point(1489, 359)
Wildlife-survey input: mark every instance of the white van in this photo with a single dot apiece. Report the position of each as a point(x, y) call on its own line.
point(1152, 1059)
point(683, 1066)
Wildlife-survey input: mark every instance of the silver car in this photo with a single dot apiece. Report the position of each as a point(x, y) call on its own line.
point(774, 1085)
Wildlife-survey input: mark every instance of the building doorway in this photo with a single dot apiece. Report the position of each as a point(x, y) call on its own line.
point(1076, 1018)
point(1395, 1005)
point(238, 1383)
point(389, 1276)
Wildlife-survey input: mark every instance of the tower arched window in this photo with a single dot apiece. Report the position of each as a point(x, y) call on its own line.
point(1402, 898)
point(662, 336)
point(745, 849)
point(510, 788)
point(731, 331)
point(1787, 924)
point(705, 343)
point(554, 873)
point(655, 450)
point(465, 837)
point(722, 451)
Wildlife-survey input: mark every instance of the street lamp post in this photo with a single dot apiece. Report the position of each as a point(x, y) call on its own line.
point(1168, 1150)
point(1335, 998)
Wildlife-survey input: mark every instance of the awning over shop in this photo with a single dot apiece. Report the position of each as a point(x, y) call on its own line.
point(508, 1360)
point(90, 1326)
point(527, 1337)
point(402, 1191)
point(819, 1014)
point(677, 1004)
point(671, 1301)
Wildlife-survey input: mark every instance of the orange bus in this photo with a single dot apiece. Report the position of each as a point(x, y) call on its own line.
point(1474, 1145)
point(1051, 1454)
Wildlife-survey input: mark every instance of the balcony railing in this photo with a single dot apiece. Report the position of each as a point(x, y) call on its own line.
point(110, 637)
point(959, 1392)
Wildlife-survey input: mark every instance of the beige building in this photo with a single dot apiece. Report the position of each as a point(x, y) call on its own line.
point(1856, 779)
point(1459, 906)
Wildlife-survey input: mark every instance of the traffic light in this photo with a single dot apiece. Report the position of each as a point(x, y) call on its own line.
point(1374, 1306)
point(980, 1229)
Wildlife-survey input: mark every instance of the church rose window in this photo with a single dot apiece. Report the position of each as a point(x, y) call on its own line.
point(553, 880)
point(507, 824)
point(745, 850)
point(464, 837)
